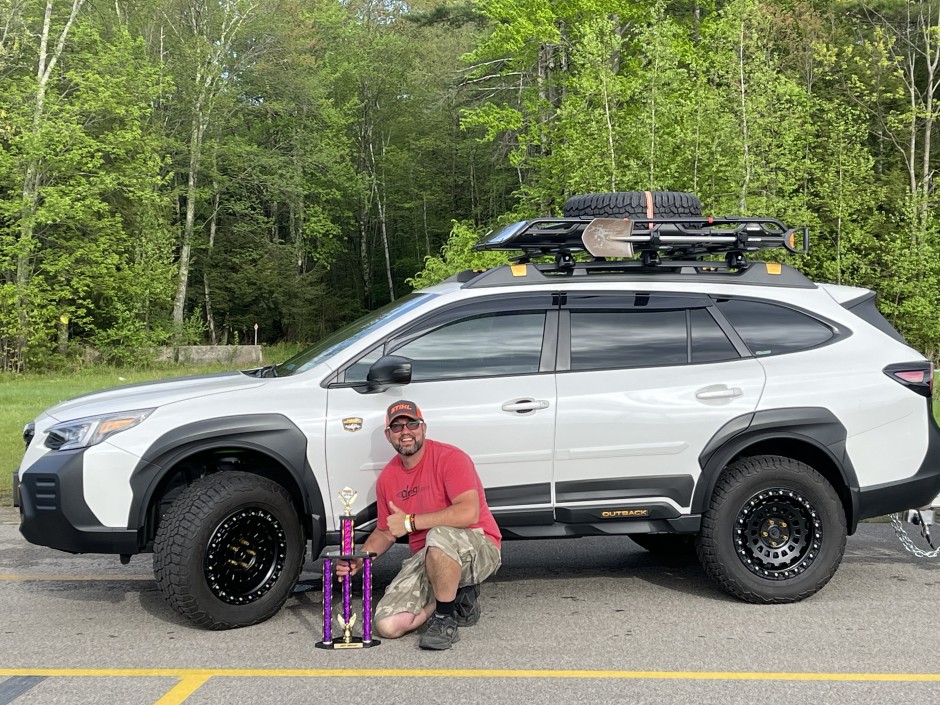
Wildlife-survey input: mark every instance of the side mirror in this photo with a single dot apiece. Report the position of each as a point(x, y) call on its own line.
point(388, 371)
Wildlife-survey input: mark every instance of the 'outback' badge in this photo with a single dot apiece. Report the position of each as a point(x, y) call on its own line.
point(353, 423)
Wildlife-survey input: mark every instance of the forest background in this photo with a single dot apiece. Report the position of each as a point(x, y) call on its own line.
point(176, 171)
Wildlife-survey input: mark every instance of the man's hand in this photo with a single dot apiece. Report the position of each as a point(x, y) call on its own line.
point(396, 521)
point(344, 568)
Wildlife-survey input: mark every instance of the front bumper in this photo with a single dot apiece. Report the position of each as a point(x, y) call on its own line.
point(53, 512)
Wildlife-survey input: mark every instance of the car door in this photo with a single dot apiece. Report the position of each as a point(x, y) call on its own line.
point(483, 376)
point(644, 381)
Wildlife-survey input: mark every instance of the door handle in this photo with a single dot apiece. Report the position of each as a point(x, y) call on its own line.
point(719, 391)
point(525, 405)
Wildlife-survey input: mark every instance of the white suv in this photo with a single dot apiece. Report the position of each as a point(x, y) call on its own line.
point(676, 400)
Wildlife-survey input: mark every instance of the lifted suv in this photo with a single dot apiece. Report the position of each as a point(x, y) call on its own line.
point(674, 398)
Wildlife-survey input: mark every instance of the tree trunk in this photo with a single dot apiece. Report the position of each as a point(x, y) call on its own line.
point(210, 319)
point(195, 154)
point(745, 138)
point(32, 181)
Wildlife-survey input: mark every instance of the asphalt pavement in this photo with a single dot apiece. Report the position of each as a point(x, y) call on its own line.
point(584, 620)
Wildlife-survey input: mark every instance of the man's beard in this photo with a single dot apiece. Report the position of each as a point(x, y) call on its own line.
point(418, 445)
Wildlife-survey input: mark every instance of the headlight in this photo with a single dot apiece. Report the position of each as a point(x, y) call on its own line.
point(91, 430)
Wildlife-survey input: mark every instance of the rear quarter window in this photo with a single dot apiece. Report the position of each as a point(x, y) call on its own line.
point(770, 329)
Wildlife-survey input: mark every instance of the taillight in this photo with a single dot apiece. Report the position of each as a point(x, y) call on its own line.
point(916, 376)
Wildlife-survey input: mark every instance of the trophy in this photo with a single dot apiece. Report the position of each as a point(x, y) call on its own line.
point(347, 619)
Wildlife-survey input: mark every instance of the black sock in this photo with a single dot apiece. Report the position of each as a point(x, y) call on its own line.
point(445, 609)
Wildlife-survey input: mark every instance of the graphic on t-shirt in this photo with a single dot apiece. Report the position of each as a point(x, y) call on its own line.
point(409, 492)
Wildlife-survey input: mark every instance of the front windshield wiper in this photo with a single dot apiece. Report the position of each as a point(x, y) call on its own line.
point(266, 371)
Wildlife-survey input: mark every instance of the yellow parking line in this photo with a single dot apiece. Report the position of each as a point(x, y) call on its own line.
point(192, 674)
point(182, 690)
point(72, 578)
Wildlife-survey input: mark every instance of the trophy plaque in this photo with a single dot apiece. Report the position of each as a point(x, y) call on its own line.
point(347, 618)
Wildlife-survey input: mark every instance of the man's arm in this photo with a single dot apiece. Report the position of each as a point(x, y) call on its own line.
point(464, 511)
point(379, 542)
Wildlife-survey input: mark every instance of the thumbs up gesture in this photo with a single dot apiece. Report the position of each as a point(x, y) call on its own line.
point(396, 521)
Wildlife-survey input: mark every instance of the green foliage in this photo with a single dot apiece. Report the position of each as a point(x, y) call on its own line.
point(336, 132)
point(456, 256)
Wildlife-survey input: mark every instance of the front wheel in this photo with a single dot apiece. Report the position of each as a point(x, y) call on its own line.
point(774, 531)
point(229, 550)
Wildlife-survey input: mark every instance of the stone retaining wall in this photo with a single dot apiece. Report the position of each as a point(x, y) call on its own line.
point(235, 355)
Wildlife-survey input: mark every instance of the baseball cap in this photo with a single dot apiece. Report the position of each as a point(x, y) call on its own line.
point(403, 407)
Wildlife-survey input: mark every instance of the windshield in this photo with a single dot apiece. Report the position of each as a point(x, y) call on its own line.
point(349, 334)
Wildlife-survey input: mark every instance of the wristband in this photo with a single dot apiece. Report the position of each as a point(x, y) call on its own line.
point(408, 526)
point(414, 523)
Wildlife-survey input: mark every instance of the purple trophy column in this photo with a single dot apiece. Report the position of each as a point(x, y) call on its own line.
point(347, 531)
point(367, 600)
point(327, 601)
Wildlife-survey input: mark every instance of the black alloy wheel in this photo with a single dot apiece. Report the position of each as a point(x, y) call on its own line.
point(245, 556)
point(778, 534)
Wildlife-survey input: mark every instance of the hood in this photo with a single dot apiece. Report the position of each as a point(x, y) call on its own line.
point(147, 395)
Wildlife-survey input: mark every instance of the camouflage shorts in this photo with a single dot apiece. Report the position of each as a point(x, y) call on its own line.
point(410, 591)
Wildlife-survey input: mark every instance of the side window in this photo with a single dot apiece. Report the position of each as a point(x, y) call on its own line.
point(486, 345)
point(612, 339)
point(709, 342)
point(768, 329)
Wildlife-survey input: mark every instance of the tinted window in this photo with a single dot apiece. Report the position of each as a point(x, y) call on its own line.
point(768, 329)
point(482, 346)
point(611, 339)
point(709, 342)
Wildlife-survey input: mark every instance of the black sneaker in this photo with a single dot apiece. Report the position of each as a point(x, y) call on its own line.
point(441, 633)
point(467, 609)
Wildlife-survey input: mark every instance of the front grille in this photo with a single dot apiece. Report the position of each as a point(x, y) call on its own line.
point(45, 490)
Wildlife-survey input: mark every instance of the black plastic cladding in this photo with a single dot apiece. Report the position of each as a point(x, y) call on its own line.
point(273, 435)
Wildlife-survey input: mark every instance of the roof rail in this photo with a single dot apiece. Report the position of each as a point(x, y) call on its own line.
point(651, 237)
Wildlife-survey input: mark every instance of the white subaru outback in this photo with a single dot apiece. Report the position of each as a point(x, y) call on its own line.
point(671, 397)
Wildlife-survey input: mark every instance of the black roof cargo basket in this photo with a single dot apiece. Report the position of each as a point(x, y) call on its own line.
point(689, 237)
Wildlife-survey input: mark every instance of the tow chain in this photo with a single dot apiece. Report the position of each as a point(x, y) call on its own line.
point(906, 540)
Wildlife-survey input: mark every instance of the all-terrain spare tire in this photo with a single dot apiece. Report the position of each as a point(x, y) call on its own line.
point(633, 204)
point(229, 550)
point(774, 530)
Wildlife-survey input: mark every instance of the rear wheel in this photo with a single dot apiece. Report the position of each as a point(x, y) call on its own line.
point(626, 204)
point(774, 531)
point(229, 550)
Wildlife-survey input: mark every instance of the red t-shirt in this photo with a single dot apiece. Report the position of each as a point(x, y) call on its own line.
point(445, 472)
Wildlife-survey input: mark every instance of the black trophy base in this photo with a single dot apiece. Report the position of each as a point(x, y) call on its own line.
point(354, 643)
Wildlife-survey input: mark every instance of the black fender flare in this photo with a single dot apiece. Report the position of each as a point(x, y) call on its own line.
point(814, 426)
point(273, 435)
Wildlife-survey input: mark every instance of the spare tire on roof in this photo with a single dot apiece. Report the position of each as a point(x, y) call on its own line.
point(633, 204)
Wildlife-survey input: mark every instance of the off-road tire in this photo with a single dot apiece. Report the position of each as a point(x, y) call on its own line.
point(666, 545)
point(229, 515)
point(754, 498)
point(627, 204)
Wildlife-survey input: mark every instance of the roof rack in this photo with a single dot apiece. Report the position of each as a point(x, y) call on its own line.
point(688, 237)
